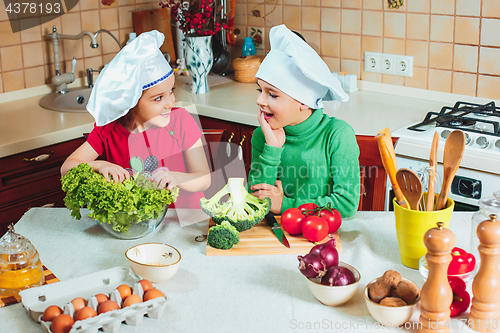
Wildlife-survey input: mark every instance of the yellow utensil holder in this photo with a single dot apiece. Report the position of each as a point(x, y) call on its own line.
point(411, 226)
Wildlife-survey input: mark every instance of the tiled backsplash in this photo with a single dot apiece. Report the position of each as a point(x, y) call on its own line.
point(455, 43)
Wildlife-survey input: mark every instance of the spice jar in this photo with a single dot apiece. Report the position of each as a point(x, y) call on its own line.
point(20, 266)
point(487, 206)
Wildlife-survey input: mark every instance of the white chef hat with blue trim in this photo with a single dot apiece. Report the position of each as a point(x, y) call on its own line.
point(295, 68)
point(138, 66)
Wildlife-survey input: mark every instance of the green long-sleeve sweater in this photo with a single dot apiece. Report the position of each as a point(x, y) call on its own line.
point(318, 163)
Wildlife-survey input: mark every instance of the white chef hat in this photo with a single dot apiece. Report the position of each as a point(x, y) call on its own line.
point(138, 66)
point(295, 68)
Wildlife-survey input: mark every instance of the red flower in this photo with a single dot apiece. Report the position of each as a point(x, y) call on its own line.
point(195, 19)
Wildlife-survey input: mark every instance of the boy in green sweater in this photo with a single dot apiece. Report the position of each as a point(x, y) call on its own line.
point(299, 154)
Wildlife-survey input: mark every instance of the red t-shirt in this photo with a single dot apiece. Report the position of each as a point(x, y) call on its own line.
point(154, 148)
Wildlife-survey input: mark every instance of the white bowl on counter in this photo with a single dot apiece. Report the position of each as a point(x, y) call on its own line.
point(156, 262)
point(335, 295)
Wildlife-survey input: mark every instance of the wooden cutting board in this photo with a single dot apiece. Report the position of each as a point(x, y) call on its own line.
point(261, 240)
point(156, 19)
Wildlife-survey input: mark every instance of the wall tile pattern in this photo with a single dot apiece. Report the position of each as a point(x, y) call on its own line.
point(455, 43)
point(27, 58)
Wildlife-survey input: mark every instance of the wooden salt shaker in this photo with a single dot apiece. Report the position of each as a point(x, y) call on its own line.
point(485, 311)
point(436, 295)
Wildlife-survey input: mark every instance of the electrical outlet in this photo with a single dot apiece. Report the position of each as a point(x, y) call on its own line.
point(385, 63)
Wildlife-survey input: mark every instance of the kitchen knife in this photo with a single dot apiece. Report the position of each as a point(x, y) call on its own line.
point(271, 220)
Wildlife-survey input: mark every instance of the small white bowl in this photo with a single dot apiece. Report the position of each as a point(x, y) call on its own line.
point(387, 315)
point(335, 295)
point(156, 262)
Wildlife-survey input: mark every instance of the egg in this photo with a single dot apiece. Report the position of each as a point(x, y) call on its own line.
point(51, 312)
point(153, 293)
point(132, 299)
point(62, 324)
point(101, 298)
point(85, 312)
point(124, 290)
point(146, 285)
point(107, 306)
point(78, 303)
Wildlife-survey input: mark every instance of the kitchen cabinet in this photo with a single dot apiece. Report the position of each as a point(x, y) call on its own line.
point(32, 179)
point(228, 150)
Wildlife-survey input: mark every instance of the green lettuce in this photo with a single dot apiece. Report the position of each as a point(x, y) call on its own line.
point(138, 197)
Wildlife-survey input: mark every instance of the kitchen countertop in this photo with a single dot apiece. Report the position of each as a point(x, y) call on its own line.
point(25, 125)
point(260, 293)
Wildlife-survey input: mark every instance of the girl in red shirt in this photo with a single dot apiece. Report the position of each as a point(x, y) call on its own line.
point(138, 129)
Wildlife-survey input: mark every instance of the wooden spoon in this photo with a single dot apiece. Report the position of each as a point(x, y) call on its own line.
point(453, 152)
point(432, 172)
point(411, 186)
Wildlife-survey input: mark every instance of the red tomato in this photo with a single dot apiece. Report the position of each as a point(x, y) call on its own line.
point(291, 221)
point(307, 206)
point(314, 228)
point(333, 218)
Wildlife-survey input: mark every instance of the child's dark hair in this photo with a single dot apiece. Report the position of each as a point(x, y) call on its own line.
point(301, 37)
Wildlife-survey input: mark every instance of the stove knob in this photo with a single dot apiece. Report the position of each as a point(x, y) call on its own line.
point(445, 133)
point(497, 144)
point(482, 142)
point(467, 139)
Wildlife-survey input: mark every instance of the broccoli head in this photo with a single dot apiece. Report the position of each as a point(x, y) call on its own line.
point(242, 209)
point(223, 236)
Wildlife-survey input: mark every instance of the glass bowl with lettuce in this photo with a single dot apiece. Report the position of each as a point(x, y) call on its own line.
point(127, 210)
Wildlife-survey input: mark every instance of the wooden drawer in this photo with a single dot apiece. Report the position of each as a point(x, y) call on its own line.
point(12, 213)
point(28, 160)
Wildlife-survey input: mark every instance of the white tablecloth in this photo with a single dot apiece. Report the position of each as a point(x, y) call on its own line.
point(229, 293)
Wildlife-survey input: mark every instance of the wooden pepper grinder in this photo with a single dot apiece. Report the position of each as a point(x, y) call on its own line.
point(485, 311)
point(436, 295)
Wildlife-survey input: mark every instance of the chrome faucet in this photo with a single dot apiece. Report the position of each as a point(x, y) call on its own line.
point(90, 76)
point(61, 80)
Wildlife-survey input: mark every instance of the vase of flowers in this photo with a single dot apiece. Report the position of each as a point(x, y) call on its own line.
point(198, 20)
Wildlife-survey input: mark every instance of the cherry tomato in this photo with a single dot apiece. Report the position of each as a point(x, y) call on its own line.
point(314, 228)
point(307, 206)
point(333, 218)
point(291, 221)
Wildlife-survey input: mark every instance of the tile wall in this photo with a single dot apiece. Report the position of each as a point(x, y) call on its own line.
point(27, 59)
point(455, 43)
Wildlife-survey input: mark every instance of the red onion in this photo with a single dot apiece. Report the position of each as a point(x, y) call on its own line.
point(338, 276)
point(327, 252)
point(312, 266)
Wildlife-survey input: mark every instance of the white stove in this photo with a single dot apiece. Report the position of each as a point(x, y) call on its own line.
point(479, 173)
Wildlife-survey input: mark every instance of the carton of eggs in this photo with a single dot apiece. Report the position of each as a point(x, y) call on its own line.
point(121, 299)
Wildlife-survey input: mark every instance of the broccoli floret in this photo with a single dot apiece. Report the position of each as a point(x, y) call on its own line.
point(223, 236)
point(242, 209)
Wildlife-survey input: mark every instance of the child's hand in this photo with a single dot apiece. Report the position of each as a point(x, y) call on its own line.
point(164, 177)
point(106, 169)
point(275, 193)
point(274, 137)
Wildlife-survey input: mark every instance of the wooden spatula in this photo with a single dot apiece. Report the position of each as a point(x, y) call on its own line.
point(453, 152)
point(411, 186)
point(432, 172)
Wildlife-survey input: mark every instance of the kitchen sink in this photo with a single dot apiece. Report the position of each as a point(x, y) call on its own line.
point(75, 100)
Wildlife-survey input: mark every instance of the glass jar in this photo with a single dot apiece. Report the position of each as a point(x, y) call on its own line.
point(248, 47)
point(20, 266)
point(487, 206)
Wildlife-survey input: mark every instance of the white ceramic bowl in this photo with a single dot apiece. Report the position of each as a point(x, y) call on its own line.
point(335, 295)
point(156, 262)
point(390, 316)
